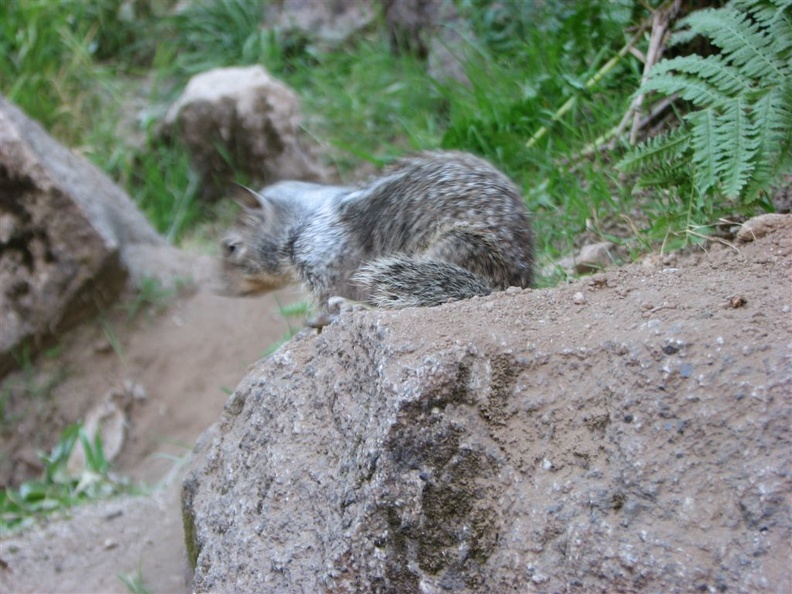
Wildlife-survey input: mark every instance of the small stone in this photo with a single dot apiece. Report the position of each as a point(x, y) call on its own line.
point(102, 346)
point(109, 543)
point(578, 298)
point(595, 256)
point(134, 389)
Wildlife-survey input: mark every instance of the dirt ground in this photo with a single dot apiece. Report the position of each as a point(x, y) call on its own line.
point(187, 359)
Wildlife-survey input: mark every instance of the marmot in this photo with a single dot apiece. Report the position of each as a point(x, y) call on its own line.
point(432, 228)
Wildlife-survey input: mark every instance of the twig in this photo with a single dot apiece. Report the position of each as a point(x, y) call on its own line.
point(660, 22)
point(690, 231)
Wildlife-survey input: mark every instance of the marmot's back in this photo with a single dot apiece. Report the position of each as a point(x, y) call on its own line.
point(403, 210)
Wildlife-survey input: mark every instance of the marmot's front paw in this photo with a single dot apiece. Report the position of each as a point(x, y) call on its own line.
point(335, 307)
point(338, 305)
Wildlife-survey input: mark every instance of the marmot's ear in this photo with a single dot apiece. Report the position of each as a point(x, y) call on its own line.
point(245, 197)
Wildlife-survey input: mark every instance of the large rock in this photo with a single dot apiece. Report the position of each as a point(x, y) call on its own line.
point(63, 229)
point(636, 440)
point(246, 114)
point(328, 24)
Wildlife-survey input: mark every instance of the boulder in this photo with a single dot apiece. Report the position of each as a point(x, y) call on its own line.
point(431, 30)
point(246, 114)
point(328, 25)
point(63, 229)
point(635, 440)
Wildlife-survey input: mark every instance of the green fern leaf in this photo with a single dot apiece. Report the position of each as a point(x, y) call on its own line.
point(698, 91)
point(703, 142)
point(739, 140)
point(773, 114)
point(725, 78)
point(773, 15)
point(736, 146)
point(676, 173)
point(747, 45)
point(661, 149)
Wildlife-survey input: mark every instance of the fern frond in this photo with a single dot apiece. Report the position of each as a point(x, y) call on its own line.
point(661, 149)
point(703, 142)
point(739, 140)
point(737, 145)
point(748, 46)
point(763, 11)
point(714, 69)
point(665, 175)
point(773, 15)
point(682, 36)
point(779, 27)
point(698, 91)
point(773, 114)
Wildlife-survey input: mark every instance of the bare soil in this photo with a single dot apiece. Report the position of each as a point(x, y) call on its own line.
point(187, 359)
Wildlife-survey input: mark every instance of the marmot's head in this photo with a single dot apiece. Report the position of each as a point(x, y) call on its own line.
point(254, 251)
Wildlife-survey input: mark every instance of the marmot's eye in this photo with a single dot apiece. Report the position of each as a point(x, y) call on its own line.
point(230, 247)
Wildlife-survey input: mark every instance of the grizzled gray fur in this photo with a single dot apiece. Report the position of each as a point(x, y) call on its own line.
point(432, 228)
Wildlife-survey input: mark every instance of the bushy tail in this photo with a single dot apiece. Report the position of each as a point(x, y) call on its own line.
point(401, 281)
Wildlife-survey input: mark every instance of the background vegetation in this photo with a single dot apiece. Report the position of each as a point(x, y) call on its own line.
point(100, 74)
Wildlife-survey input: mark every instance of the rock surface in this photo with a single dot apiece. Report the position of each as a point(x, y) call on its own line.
point(330, 23)
point(64, 228)
point(254, 117)
point(635, 440)
point(595, 256)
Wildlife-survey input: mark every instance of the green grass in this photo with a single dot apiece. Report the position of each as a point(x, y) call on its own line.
point(134, 582)
point(57, 489)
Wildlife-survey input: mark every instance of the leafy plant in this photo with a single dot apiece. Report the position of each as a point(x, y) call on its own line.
point(738, 139)
point(57, 489)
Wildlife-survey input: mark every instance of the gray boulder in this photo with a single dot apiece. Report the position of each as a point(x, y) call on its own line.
point(251, 116)
point(328, 24)
point(63, 229)
point(637, 440)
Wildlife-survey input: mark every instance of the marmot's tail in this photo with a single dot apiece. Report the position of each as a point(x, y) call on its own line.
point(400, 281)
